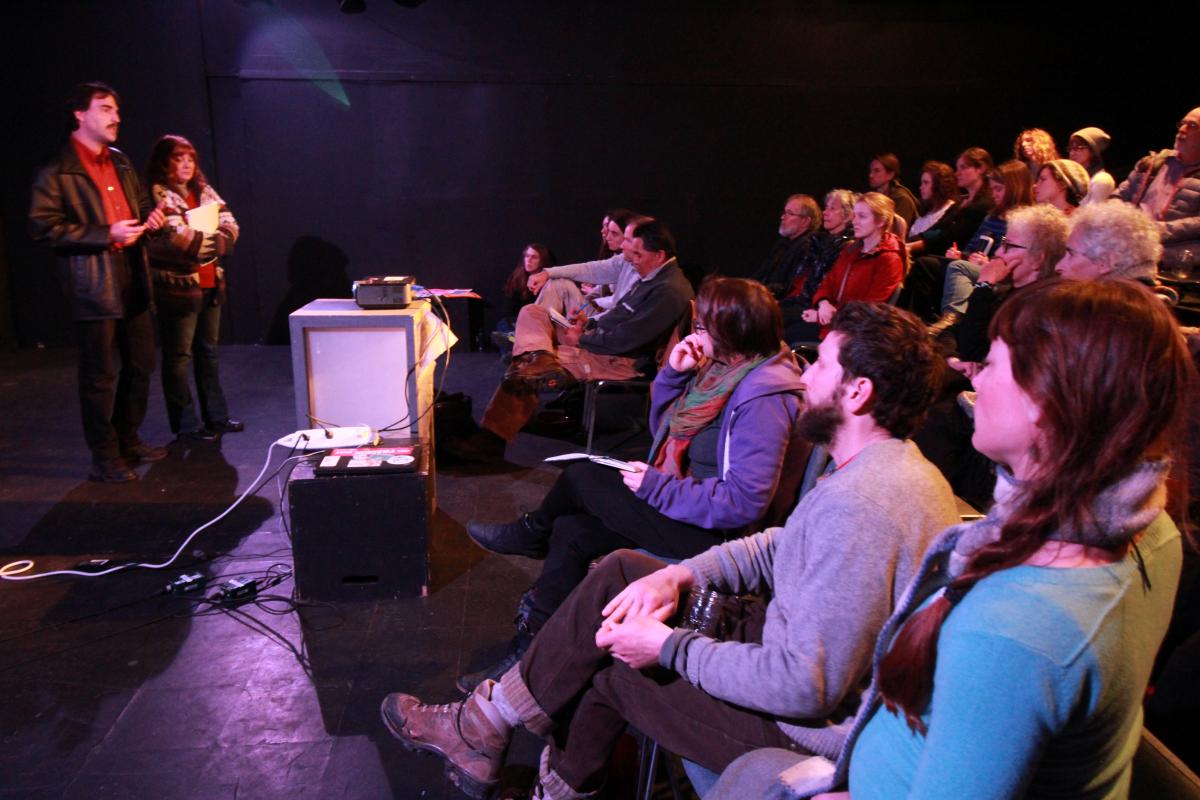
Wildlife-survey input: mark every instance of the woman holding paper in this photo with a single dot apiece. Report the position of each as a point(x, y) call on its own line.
point(189, 287)
point(726, 459)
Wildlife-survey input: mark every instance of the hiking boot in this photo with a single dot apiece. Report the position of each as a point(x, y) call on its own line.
point(471, 735)
point(520, 538)
point(540, 370)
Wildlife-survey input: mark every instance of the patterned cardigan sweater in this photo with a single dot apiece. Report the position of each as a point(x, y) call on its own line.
point(176, 257)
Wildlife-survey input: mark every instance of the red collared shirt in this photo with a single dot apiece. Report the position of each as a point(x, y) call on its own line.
point(102, 171)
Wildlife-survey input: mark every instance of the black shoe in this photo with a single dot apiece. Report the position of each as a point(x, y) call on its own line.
point(111, 470)
point(143, 452)
point(198, 435)
point(516, 648)
point(520, 538)
point(228, 425)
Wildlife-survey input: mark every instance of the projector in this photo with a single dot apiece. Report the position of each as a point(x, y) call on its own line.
point(385, 291)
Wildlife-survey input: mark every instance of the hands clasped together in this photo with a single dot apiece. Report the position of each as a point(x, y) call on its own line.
point(634, 626)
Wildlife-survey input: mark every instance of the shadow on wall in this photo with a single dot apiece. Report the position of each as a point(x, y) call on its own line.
point(315, 268)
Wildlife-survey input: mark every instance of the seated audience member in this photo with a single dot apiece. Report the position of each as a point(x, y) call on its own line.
point(1033, 148)
point(1061, 183)
point(1018, 662)
point(833, 573)
point(599, 297)
point(837, 230)
point(1111, 241)
point(534, 258)
point(1010, 188)
point(923, 286)
point(798, 224)
point(558, 287)
point(1036, 240)
point(884, 177)
point(1166, 185)
point(939, 193)
point(619, 344)
point(870, 270)
point(726, 460)
point(1086, 148)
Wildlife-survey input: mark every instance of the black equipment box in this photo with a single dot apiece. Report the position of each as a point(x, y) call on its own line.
point(362, 536)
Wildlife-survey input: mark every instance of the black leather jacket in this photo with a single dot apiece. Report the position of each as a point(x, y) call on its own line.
point(66, 213)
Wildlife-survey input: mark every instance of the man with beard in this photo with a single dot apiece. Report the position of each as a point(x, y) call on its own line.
point(833, 573)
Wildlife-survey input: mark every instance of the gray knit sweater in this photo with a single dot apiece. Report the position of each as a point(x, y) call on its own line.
point(834, 573)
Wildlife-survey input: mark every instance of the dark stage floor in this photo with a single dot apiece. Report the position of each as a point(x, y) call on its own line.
point(113, 689)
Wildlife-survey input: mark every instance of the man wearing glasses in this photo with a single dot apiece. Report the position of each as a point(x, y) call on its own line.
point(618, 345)
point(800, 219)
point(1166, 186)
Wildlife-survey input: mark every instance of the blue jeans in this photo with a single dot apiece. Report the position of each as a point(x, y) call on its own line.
point(959, 283)
point(191, 339)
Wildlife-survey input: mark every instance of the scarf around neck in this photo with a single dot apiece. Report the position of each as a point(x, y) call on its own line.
point(698, 405)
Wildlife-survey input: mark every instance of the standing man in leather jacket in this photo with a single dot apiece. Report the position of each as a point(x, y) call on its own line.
point(90, 206)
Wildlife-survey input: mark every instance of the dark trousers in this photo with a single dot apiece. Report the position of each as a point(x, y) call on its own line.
point(190, 340)
point(590, 513)
point(112, 399)
point(922, 293)
point(591, 697)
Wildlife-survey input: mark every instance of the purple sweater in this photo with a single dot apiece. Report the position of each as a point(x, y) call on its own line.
point(758, 452)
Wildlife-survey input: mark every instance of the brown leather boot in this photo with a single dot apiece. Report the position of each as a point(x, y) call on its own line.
point(471, 735)
point(944, 323)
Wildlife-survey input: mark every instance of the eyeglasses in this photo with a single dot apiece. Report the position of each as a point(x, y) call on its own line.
point(1007, 245)
point(787, 213)
point(698, 327)
point(1077, 146)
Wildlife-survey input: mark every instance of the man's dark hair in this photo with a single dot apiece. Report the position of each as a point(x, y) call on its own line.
point(80, 98)
point(890, 163)
point(892, 349)
point(655, 237)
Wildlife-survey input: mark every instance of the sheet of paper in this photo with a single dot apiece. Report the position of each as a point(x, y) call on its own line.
point(204, 218)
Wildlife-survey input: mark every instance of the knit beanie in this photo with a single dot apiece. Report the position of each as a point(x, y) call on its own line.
point(1073, 175)
point(1096, 139)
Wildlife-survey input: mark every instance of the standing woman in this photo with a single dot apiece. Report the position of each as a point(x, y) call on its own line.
point(1017, 661)
point(189, 288)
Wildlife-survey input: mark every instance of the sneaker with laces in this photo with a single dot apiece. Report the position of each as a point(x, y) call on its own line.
point(471, 735)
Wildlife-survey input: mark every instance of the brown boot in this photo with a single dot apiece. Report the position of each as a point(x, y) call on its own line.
point(947, 321)
point(542, 371)
point(471, 735)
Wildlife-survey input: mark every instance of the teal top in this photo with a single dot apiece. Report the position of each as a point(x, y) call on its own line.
point(1038, 685)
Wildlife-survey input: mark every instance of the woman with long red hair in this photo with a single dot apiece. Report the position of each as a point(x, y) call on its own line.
point(1018, 658)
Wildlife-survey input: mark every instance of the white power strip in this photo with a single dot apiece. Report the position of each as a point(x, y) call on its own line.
point(325, 438)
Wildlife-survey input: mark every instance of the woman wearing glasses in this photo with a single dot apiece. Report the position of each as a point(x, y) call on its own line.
point(725, 458)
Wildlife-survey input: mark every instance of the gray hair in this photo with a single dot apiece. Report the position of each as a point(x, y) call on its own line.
point(843, 197)
point(1119, 236)
point(1046, 228)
